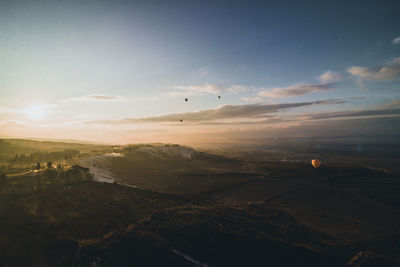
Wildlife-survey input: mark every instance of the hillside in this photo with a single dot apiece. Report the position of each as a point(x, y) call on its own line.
point(171, 169)
point(73, 219)
point(162, 204)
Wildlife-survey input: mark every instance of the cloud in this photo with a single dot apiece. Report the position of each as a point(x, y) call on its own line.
point(295, 90)
point(329, 77)
point(190, 90)
point(203, 71)
point(96, 98)
point(265, 119)
point(392, 104)
point(236, 88)
point(396, 40)
point(385, 72)
point(357, 113)
point(251, 99)
point(222, 112)
point(327, 81)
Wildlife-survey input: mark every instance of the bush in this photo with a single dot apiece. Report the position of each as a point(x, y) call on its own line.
point(51, 173)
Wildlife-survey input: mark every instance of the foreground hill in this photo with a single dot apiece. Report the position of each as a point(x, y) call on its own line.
point(152, 205)
point(63, 220)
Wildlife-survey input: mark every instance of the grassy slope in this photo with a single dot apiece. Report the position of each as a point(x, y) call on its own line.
point(177, 174)
point(38, 209)
point(45, 218)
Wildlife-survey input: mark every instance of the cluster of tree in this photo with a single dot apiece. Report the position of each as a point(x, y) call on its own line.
point(49, 165)
point(45, 156)
point(75, 172)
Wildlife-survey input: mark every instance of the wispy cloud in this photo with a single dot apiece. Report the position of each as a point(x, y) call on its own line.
point(396, 40)
point(96, 98)
point(327, 81)
point(190, 90)
point(251, 99)
point(392, 104)
point(203, 71)
point(357, 113)
point(385, 72)
point(237, 88)
point(329, 77)
point(295, 90)
point(222, 112)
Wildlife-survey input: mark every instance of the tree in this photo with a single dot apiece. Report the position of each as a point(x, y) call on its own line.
point(38, 166)
point(49, 164)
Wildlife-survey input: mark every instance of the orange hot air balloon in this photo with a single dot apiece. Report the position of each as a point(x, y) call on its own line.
point(316, 163)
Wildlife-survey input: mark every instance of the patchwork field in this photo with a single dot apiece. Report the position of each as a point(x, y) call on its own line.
point(162, 204)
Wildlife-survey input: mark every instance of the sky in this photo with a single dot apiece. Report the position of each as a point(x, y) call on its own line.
point(119, 71)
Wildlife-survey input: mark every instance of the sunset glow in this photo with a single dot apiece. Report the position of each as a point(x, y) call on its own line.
point(36, 113)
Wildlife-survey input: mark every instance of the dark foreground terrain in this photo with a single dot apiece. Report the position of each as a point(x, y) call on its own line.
point(240, 211)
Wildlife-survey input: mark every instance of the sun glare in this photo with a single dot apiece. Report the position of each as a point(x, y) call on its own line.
point(36, 112)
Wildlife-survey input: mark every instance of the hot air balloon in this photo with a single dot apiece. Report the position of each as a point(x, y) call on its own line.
point(181, 120)
point(316, 163)
point(186, 99)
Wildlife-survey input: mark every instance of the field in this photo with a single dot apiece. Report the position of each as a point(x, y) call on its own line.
point(170, 205)
point(176, 169)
